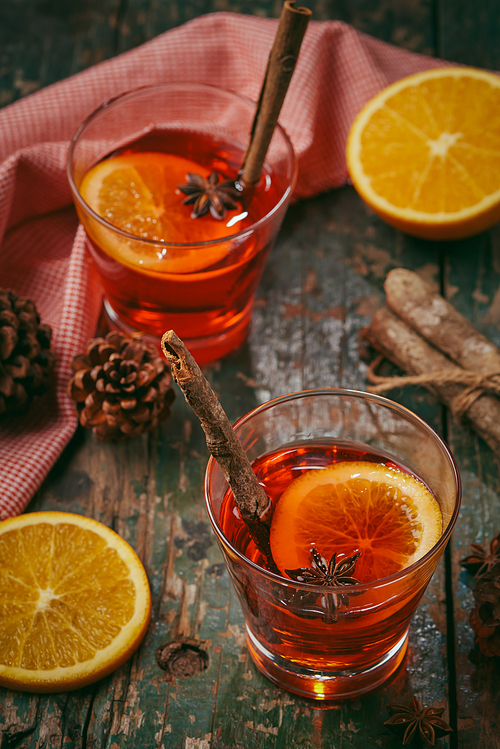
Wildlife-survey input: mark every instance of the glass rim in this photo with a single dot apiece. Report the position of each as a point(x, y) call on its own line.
point(186, 245)
point(381, 400)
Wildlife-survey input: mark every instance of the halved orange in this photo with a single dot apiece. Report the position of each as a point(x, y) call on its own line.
point(424, 153)
point(74, 601)
point(138, 193)
point(388, 515)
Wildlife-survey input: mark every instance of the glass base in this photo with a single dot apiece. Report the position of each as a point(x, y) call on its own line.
point(204, 350)
point(324, 685)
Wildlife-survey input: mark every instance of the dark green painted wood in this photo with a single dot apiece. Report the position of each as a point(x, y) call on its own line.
point(326, 270)
point(468, 32)
point(323, 281)
point(473, 276)
point(43, 41)
point(408, 25)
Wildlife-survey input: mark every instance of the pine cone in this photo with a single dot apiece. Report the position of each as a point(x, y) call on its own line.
point(121, 387)
point(26, 360)
point(485, 618)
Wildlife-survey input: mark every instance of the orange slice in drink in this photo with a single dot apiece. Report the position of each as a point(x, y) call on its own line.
point(138, 193)
point(74, 601)
point(425, 153)
point(387, 515)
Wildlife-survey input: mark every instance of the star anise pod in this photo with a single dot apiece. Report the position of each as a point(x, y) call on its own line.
point(485, 617)
point(330, 574)
point(481, 560)
point(417, 722)
point(322, 572)
point(209, 195)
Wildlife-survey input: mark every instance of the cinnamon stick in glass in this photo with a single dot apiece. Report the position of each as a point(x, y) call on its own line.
point(280, 67)
point(402, 345)
point(222, 442)
point(439, 322)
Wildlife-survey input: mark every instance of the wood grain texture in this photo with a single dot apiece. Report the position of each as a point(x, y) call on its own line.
point(324, 278)
point(468, 31)
point(473, 276)
point(43, 41)
point(150, 491)
point(470, 280)
point(321, 286)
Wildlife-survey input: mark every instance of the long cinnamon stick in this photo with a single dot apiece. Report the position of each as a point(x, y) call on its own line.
point(280, 67)
point(439, 322)
point(249, 496)
point(401, 344)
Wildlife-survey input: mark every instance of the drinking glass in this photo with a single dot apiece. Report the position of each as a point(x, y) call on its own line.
point(291, 635)
point(151, 286)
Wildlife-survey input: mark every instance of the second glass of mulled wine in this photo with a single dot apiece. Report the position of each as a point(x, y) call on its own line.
point(365, 496)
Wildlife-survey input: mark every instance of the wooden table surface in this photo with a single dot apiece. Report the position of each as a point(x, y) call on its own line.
point(322, 283)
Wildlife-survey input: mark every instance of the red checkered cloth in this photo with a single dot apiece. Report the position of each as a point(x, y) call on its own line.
point(42, 254)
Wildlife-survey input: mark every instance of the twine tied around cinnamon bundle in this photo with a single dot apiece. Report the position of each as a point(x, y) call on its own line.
point(476, 384)
point(425, 336)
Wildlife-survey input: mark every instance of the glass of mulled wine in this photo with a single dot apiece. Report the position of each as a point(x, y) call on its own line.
point(365, 496)
point(161, 268)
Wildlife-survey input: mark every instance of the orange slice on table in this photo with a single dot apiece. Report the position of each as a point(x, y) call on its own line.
point(425, 153)
point(388, 515)
point(138, 193)
point(74, 601)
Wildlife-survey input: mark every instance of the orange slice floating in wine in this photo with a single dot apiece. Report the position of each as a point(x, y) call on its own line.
point(138, 193)
point(388, 515)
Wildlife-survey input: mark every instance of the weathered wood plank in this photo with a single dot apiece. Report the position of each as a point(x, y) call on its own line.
point(322, 282)
point(473, 275)
point(321, 285)
point(407, 25)
point(150, 490)
point(468, 31)
point(43, 42)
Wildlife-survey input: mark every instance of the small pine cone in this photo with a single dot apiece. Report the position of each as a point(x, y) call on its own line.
point(485, 618)
point(121, 387)
point(26, 361)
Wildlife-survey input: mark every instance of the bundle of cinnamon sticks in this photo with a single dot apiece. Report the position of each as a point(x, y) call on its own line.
point(426, 337)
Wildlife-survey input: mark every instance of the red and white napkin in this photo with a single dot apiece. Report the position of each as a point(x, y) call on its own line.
point(42, 252)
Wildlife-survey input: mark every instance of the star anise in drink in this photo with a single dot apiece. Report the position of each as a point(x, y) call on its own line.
point(330, 574)
point(210, 195)
point(482, 560)
point(417, 722)
point(322, 572)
